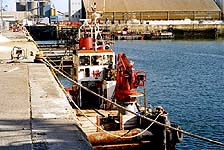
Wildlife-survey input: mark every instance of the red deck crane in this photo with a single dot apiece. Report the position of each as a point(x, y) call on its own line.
point(127, 80)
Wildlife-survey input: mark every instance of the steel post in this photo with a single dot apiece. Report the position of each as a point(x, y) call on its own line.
point(1, 17)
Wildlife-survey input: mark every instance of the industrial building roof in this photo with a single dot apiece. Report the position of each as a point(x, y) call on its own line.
point(151, 5)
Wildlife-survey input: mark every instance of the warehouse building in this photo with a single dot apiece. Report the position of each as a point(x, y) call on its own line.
point(220, 3)
point(122, 11)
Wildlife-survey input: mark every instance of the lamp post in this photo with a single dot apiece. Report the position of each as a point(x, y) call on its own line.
point(1, 16)
point(2, 9)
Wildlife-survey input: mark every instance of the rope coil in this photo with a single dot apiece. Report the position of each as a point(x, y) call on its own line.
point(141, 116)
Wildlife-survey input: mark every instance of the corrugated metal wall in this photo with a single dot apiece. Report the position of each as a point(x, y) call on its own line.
point(123, 17)
point(124, 10)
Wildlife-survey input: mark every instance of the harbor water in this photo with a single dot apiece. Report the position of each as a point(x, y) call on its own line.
point(187, 79)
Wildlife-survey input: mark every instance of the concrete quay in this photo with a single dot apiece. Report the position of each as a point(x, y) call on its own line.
point(34, 112)
point(178, 29)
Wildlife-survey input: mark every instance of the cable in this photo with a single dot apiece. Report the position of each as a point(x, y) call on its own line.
point(70, 100)
point(58, 67)
point(141, 116)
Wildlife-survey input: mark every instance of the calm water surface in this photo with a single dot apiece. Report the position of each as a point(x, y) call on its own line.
point(187, 79)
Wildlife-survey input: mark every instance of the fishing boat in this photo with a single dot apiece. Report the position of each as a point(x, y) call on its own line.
point(126, 35)
point(109, 98)
point(158, 35)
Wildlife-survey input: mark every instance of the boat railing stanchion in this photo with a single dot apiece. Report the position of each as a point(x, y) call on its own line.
point(145, 104)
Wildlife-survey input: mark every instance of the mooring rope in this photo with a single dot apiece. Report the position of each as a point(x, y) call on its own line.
point(141, 116)
point(99, 127)
point(58, 67)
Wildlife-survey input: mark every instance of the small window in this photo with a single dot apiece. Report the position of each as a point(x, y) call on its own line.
point(106, 59)
point(87, 72)
point(84, 60)
point(110, 58)
point(96, 60)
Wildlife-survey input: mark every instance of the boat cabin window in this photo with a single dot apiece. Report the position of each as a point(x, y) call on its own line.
point(110, 59)
point(106, 59)
point(101, 60)
point(96, 60)
point(84, 60)
point(87, 72)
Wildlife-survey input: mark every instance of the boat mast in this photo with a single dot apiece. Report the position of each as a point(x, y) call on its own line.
point(96, 28)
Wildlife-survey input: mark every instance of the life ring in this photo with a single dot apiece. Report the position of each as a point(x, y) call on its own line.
point(177, 136)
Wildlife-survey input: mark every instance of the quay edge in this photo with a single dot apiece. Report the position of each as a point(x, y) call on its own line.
point(179, 30)
point(34, 112)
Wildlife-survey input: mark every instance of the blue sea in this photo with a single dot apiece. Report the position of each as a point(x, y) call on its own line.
point(187, 79)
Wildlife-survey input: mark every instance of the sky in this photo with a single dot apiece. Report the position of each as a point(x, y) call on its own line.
point(61, 5)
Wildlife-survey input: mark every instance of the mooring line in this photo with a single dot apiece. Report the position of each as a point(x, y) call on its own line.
point(141, 116)
point(99, 127)
point(58, 67)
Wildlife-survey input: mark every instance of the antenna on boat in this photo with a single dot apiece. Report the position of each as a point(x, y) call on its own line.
point(84, 25)
point(94, 32)
point(96, 15)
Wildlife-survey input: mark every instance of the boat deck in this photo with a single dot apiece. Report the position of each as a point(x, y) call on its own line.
point(92, 115)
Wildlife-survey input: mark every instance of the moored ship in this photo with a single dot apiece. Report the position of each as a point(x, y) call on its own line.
point(108, 108)
point(158, 35)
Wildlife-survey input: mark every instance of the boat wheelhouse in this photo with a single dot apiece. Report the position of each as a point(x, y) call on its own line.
point(92, 62)
point(106, 98)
